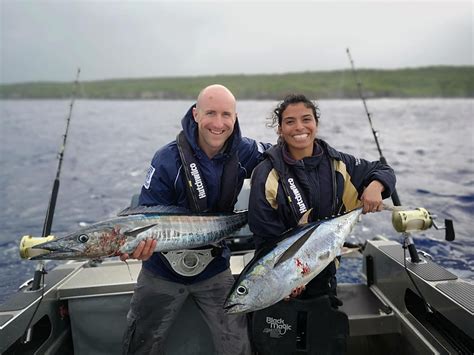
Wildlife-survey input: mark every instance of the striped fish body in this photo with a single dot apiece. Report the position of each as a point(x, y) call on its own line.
point(184, 232)
point(172, 228)
point(271, 277)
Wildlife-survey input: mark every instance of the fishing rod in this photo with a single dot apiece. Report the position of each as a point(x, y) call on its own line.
point(408, 243)
point(395, 199)
point(38, 278)
point(405, 221)
point(48, 221)
point(448, 225)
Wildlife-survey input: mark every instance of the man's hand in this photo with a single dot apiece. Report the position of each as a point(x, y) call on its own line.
point(143, 251)
point(372, 197)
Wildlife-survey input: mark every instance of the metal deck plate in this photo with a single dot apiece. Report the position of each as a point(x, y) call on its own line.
point(5, 318)
point(22, 299)
point(428, 271)
point(358, 300)
point(462, 292)
point(108, 277)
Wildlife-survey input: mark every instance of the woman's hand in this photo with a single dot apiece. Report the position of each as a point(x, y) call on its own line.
point(372, 197)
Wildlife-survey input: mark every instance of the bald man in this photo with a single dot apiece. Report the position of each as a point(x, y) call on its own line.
point(209, 147)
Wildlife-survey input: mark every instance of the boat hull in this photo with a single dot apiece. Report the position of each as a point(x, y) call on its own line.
point(81, 302)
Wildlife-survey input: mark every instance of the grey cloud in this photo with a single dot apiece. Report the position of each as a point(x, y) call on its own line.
point(47, 40)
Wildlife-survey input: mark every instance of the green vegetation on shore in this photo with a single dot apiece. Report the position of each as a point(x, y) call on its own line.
point(442, 81)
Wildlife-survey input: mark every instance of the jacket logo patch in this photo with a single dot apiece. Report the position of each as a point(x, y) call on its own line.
point(149, 175)
point(197, 181)
point(297, 195)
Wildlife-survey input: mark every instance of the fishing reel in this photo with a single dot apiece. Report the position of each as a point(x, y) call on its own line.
point(419, 219)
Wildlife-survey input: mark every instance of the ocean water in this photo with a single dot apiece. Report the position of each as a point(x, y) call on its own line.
point(428, 142)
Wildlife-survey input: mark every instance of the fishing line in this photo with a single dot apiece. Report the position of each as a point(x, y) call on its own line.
point(29, 329)
point(425, 303)
point(129, 271)
point(432, 316)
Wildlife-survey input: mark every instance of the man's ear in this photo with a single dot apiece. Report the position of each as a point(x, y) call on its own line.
point(195, 114)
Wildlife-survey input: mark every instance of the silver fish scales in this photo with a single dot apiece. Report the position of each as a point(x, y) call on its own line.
point(173, 229)
point(291, 263)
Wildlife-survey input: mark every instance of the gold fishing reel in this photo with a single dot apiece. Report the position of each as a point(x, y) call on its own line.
point(419, 219)
point(411, 220)
point(28, 241)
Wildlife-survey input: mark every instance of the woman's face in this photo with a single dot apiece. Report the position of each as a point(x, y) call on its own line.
point(298, 129)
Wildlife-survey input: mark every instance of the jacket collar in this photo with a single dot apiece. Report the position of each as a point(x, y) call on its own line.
point(278, 154)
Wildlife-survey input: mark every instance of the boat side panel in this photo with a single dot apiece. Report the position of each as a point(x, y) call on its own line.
point(391, 282)
point(24, 298)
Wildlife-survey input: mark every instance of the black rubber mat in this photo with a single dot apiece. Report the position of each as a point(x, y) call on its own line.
point(461, 292)
point(428, 271)
point(359, 300)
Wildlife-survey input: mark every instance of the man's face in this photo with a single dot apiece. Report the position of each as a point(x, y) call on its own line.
point(215, 116)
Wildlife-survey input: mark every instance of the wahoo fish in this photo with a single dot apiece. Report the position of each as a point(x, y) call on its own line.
point(302, 253)
point(172, 227)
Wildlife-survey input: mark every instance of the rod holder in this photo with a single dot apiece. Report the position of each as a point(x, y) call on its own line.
point(410, 245)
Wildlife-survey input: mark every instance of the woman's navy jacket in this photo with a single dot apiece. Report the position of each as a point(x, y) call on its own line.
point(331, 183)
point(165, 185)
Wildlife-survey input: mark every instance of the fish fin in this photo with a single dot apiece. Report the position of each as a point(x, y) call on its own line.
point(305, 217)
point(135, 231)
point(158, 209)
point(288, 253)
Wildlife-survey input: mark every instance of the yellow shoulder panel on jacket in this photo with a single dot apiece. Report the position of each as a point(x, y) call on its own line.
point(271, 188)
point(350, 194)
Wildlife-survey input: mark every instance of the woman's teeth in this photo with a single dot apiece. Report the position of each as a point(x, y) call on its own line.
point(300, 136)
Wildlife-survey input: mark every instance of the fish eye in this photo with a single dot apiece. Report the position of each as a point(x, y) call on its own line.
point(242, 290)
point(83, 238)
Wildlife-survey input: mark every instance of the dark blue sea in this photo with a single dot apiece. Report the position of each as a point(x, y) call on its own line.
point(428, 142)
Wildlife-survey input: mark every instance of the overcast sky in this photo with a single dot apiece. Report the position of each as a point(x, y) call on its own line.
point(48, 40)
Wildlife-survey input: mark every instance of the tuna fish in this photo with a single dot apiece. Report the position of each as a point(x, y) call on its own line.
point(301, 255)
point(173, 228)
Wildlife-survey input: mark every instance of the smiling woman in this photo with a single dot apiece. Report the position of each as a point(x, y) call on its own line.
point(298, 129)
point(303, 178)
point(303, 174)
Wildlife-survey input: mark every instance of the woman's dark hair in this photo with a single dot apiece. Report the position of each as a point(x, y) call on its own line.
point(292, 99)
